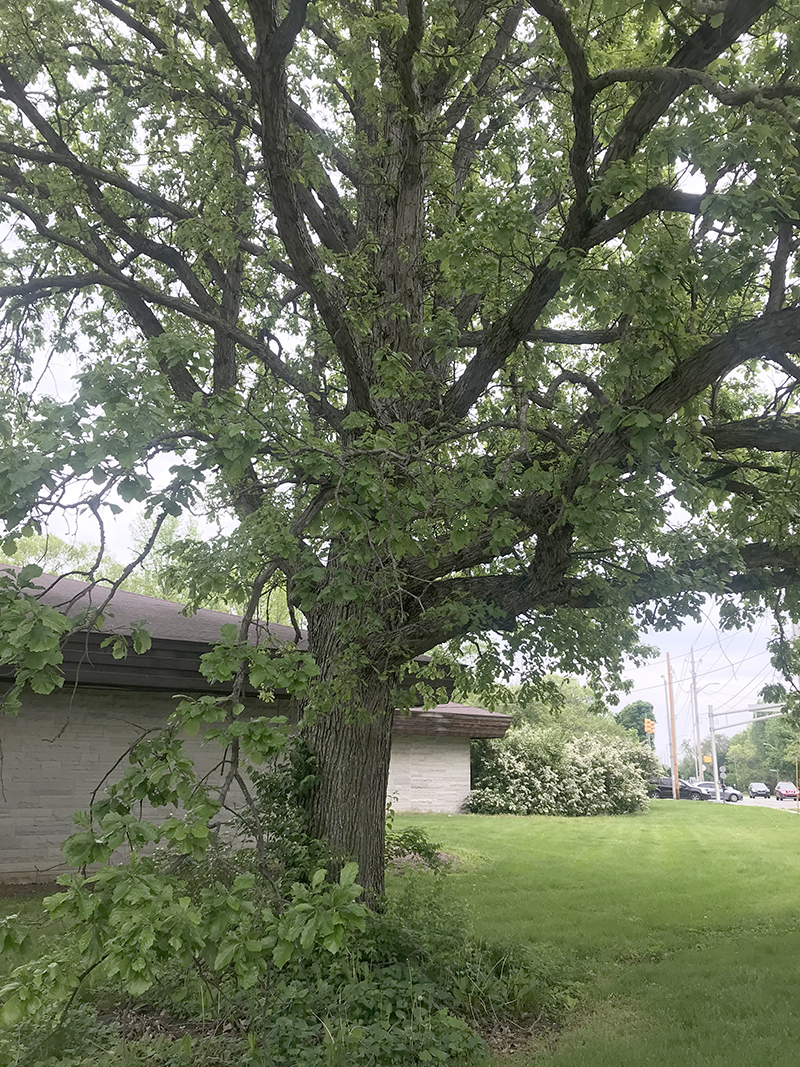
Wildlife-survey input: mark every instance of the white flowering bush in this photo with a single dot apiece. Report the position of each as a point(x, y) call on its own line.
point(535, 770)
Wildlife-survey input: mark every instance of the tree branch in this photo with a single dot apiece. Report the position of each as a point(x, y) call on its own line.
point(279, 160)
point(500, 340)
point(407, 48)
point(583, 141)
point(119, 282)
point(497, 601)
point(777, 278)
point(761, 338)
point(767, 434)
point(659, 198)
point(768, 97)
point(477, 85)
point(705, 44)
point(232, 39)
point(556, 337)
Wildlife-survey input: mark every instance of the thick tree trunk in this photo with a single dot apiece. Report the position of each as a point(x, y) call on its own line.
point(349, 732)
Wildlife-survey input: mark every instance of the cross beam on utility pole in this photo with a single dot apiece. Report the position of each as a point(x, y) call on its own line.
point(746, 722)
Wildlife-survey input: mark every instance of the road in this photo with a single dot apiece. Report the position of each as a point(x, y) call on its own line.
point(761, 802)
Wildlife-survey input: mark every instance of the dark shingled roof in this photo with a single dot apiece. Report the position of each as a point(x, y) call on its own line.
point(179, 639)
point(450, 718)
point(165, 619)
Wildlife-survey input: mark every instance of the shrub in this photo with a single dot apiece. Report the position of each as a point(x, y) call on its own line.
point(296, 970)
point(408, 985)
point(535, 770)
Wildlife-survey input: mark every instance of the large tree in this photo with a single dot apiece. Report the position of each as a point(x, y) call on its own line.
point(479, 316)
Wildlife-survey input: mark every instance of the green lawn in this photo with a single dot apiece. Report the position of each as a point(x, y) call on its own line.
point(686, 923)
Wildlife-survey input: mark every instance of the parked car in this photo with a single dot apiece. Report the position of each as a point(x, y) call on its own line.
point(662, 787)
point(786, 791)
point(727, 792)
point(758, 789)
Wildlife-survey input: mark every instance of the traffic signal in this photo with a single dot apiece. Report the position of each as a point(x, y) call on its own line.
point(649, 726)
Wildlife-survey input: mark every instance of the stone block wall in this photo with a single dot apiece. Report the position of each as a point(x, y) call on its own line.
point(429, 773)
point(60, 747)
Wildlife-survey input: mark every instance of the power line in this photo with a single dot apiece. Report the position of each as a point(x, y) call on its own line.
point(714, 670)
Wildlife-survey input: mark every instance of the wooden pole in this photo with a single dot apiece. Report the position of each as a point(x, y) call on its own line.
point(714, 750)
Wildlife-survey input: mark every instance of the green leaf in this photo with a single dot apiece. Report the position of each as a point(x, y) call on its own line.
point(348, 875)
point(225, 954)
point(282, 953)
point(141, 639)
point(28, 573)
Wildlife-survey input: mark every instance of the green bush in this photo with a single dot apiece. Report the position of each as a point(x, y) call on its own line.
point(535, 770)
point(248, 931)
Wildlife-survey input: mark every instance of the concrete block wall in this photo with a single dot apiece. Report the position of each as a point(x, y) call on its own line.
point(429, 773)
point(55, 753)
point(60, 747)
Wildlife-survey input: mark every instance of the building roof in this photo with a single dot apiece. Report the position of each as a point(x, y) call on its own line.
point(179, 640)
point(450, 719)
point(165, 619)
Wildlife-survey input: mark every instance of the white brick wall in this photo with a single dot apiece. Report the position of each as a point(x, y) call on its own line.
point(55, 753)
point(429, 773)
point(59, 747)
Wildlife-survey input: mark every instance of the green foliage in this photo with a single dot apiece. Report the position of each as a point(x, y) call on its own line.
point(30, 636)
point(537, 771)
point(410, 984)
point(632, 717)
point(245, 919)
point(411, 845)
point(278, 818)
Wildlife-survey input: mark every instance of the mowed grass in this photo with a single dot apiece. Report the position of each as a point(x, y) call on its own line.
point(684, 924)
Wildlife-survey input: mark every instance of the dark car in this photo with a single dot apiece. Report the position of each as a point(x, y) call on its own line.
point(758, 789)
point(786, 791)
point(727, 792)
point(662, 787)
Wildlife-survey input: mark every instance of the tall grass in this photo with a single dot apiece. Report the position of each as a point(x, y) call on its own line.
point(686, 922)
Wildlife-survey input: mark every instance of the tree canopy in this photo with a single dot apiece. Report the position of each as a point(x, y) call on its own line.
point(632, 717)
point(480, 317)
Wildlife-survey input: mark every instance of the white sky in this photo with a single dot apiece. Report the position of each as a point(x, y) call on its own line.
point(731, 668)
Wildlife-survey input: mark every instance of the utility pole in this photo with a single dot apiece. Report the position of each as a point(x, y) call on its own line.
point(714, 749)
point(675, 786)
point(698, 747)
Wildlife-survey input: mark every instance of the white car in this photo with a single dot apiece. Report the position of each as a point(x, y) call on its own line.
point(727, 792)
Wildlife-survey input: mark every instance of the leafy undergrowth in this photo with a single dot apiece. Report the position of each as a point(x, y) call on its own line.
point(414, 986)
point(208, 949)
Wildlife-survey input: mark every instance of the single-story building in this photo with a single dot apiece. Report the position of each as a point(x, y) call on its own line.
point(61, 746)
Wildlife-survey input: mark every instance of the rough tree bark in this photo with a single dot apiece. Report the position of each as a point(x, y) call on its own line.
point(349, 733)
